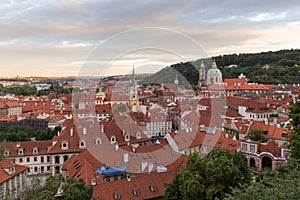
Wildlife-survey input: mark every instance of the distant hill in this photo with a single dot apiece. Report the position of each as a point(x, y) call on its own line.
point(284, 67)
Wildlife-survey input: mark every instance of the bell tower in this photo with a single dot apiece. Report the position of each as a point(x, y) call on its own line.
point(133, 99)
point(201, 80)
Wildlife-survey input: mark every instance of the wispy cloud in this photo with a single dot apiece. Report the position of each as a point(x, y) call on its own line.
point(55, 35)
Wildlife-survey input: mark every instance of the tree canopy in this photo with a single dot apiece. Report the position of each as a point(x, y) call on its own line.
point(71, 189)
point(294, 136)
point(284, 183)
point(210, 177)
point(18, 134)
point(285, 68)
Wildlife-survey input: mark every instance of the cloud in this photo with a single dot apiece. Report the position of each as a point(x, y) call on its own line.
point(50, 34)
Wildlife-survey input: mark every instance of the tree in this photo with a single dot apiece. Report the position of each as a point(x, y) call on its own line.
point(294, 137)
point(281, 184)
point(72, 189)
point(257, 135)
point(211, 177)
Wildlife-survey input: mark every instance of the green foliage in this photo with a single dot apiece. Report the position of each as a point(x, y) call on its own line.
point(47, 134)
point(211, 177)
point(25, 90)
point(294, 137)
point(281, 184)
point(72, 189)
point(257, 135)
point(284, 68)
point(43, 92)
point(16, 134)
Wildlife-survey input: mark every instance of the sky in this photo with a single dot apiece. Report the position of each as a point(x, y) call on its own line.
point(101, 37)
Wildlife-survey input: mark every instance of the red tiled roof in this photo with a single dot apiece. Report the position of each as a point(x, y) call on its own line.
point(7, 164)
point(27, 147)
point(270, 147)
point(139, 187)
point(83, 166)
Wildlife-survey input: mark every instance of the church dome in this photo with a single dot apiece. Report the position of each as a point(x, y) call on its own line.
point(214, 72)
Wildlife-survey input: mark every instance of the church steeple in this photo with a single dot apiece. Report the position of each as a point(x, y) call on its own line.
point(133, 85)
point(133, 91)
point(176, 80)
point(201, 80)
point(214, 65)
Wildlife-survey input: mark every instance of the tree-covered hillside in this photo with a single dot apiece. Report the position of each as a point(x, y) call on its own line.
point(284, 68)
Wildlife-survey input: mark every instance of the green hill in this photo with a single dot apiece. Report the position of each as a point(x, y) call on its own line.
point(285, 68)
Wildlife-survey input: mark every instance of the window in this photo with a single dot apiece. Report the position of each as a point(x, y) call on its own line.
point(117, 196)
point(6, 153)
point(64, 145)
point(35, 150)
point(81, 144)
point(20, 152)
point(244, 147)
point(138, 135)
point(66, 158)
point(28, 159)
point(153, 188)
point(113, 139)
point(42, 168)
point(57, 159)
point(48, 158)
point(136, 192)
point(98, 141)
point(35, 169)
point(35, 159)
point(252, 148)
point(42, 159)
point(20, 160)
point(48, 168)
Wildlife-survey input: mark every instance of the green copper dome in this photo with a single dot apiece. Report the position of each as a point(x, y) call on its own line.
point(214, 71)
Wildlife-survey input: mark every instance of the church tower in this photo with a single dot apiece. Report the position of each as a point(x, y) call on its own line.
point(176, 81)
point(201, 80)
point(214, 75)
point(133, 99)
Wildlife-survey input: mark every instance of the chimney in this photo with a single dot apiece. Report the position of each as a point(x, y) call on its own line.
point(144, 165)
point(226, 135)
point(71, 131)
point(126, 157)
point(102, 128)
point(150, 167)
point(84, 131)
point(234, 137)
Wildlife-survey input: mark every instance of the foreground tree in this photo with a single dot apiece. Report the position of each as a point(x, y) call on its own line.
point(211, 177)
point(71, 189)
point(281, 184)
point(294, 137)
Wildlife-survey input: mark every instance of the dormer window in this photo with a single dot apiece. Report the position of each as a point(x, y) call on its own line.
point(98, 141)
point(136, 192)
point(127, 138)
point(64, 145)
point(12, 170)
point(153, 188)
point(35, 150)
point(94, 182)
point(82, 144)
point(6, 153)
point(138, 135)
point(21, 152)
point(117, 196)
point(113, 139)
